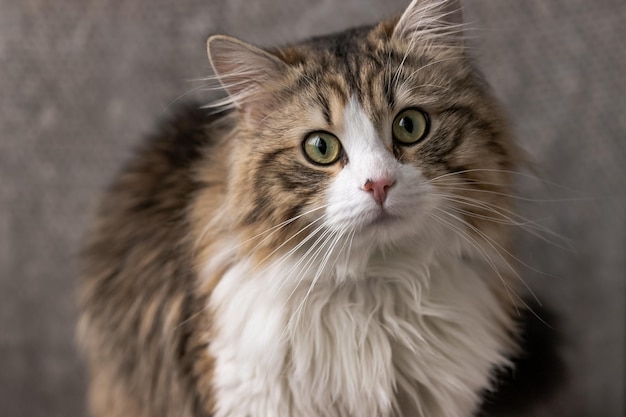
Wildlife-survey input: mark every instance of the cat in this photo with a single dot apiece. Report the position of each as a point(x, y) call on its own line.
point(331, 239)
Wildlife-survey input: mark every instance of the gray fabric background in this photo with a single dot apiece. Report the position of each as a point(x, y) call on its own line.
point(82, 81)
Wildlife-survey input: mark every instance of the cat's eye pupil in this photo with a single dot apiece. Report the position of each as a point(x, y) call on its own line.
point(407, 124)
point(410, 126)
point(321, 145)
point(322, 148)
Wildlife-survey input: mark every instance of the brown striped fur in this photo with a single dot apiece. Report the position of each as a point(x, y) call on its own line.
point(144, 327)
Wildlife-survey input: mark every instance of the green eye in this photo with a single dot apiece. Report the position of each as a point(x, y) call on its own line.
point(410, 126)
point(322, 148)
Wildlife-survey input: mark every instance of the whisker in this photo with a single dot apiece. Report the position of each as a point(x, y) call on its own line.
point(438, 61)
point(316, 248)
point(500, 211)
point(502, 171)
point(525, 224)
point(462, 233)
point(503, 220)
point(417, 87)
point(336, 237)
point(182, 96)
point(452, 186)
point(322, 240)
point(275, 229)
point(269, 232)
point(489, 240)
point(284, 257)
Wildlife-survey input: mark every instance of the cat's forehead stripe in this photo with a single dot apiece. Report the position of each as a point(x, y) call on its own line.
point(332, 81)
point(325, 106)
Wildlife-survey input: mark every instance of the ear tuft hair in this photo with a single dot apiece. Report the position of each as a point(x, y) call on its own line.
point(440, 21)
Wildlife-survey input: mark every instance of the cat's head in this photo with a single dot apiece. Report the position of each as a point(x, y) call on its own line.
point(378, 135)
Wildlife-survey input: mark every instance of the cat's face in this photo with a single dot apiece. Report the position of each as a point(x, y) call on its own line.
point(378, 135)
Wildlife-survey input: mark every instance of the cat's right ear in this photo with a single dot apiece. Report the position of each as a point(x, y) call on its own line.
point(241, 68)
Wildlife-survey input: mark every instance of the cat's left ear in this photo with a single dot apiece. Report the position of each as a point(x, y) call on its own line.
point(243, 69)
point(439, 21)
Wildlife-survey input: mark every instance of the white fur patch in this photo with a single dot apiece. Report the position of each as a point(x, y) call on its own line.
point(378, 315)
point(426, 330)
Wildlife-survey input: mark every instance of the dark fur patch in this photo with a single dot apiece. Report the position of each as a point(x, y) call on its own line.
point(539, 370)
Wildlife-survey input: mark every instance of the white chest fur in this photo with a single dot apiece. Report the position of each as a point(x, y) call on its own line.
point(403, 340)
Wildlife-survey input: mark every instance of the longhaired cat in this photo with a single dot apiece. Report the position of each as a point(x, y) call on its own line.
point(329, 240)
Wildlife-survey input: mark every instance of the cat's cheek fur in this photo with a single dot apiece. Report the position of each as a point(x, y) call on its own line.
point(407, 338)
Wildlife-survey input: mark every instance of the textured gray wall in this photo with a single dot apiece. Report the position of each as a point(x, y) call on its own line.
point(81, 81)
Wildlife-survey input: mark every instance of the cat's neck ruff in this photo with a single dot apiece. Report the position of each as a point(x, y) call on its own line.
point(411, 335)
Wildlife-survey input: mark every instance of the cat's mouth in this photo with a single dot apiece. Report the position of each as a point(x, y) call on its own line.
point(380, 218)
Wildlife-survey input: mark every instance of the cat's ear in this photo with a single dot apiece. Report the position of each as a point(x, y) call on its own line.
point(440, 21)
point(241, 68)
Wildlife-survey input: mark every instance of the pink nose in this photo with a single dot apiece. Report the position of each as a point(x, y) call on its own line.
point(378, 188)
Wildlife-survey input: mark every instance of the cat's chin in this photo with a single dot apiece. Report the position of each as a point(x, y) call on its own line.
point(381, 218)
point(383, 228)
